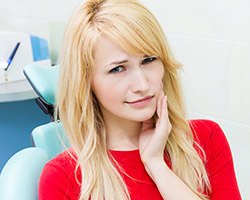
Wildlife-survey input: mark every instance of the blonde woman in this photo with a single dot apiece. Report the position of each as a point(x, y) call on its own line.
point(120, 103)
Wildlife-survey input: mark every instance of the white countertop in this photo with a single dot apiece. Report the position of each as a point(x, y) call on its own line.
point(16, 91)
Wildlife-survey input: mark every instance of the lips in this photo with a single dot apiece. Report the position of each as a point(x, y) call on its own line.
point(140, 100)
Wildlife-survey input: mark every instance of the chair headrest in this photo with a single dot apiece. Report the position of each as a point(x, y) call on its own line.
point(44, 81)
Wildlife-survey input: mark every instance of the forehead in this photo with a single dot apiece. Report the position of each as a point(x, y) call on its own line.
point(106, 51)
point(105, 47)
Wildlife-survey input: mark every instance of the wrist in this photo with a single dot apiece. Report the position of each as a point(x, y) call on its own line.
point(154, 166)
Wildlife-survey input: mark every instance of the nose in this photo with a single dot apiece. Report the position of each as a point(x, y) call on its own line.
point(140, 81)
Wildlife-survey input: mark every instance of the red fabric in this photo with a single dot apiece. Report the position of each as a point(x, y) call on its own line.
point(58, 180)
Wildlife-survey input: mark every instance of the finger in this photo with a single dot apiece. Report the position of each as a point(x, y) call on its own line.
point(164, 112)
point(163, 121)
point(159, 104)
point(165, 115)
point(162, 107)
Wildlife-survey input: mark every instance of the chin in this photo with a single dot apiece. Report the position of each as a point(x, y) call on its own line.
point(143, 116)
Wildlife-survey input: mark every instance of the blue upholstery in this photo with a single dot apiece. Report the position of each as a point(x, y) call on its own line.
point(20, 175)
point(43, 80)
point(51, 138)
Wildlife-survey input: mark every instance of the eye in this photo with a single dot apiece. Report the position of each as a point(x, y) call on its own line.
point(116, 70)
point(149, 60)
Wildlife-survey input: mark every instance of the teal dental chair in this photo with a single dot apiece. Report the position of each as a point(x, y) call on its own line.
point(20, 175)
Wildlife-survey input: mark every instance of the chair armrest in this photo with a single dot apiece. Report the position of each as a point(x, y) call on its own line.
point(20, 175)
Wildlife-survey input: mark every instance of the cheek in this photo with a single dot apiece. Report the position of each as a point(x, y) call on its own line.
point(157, 77)
point(106, 92)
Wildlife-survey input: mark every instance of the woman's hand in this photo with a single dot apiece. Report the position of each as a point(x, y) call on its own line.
point(152, 140)
point(152, 143)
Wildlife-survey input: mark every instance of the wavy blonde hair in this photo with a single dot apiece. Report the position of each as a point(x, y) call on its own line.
point(132, 26)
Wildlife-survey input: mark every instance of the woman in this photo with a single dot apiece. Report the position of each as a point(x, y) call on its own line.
point(120, 103)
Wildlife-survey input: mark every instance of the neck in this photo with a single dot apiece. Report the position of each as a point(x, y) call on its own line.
point(122, 134)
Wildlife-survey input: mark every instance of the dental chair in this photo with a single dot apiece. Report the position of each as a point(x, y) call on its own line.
point(20, 175)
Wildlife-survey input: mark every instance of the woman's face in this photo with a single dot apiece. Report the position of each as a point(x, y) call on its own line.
point(126, 86)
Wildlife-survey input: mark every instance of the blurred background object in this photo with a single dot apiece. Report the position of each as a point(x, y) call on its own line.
point(17, 50)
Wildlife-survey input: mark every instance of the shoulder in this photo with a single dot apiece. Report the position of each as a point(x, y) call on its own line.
point(206, 131)
point(211, 138)
point(218, 159)
point(58, 177)
point(203, 125)
point(63, 163)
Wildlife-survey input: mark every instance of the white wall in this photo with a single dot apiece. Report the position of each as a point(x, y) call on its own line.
point(211, 38)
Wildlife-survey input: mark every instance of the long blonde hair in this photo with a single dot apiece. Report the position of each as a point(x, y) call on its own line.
point(129, 24)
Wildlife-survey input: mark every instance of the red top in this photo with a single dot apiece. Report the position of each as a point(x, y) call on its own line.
point(58, 180)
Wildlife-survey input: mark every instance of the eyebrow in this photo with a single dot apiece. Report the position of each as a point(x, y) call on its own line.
point(121, 61)
point(116, 63)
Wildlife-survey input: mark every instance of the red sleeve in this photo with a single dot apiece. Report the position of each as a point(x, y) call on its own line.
point(219, 161)
point(58, 181)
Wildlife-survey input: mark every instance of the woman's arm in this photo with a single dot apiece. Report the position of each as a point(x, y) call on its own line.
point(169, 184)
point(152, 144)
